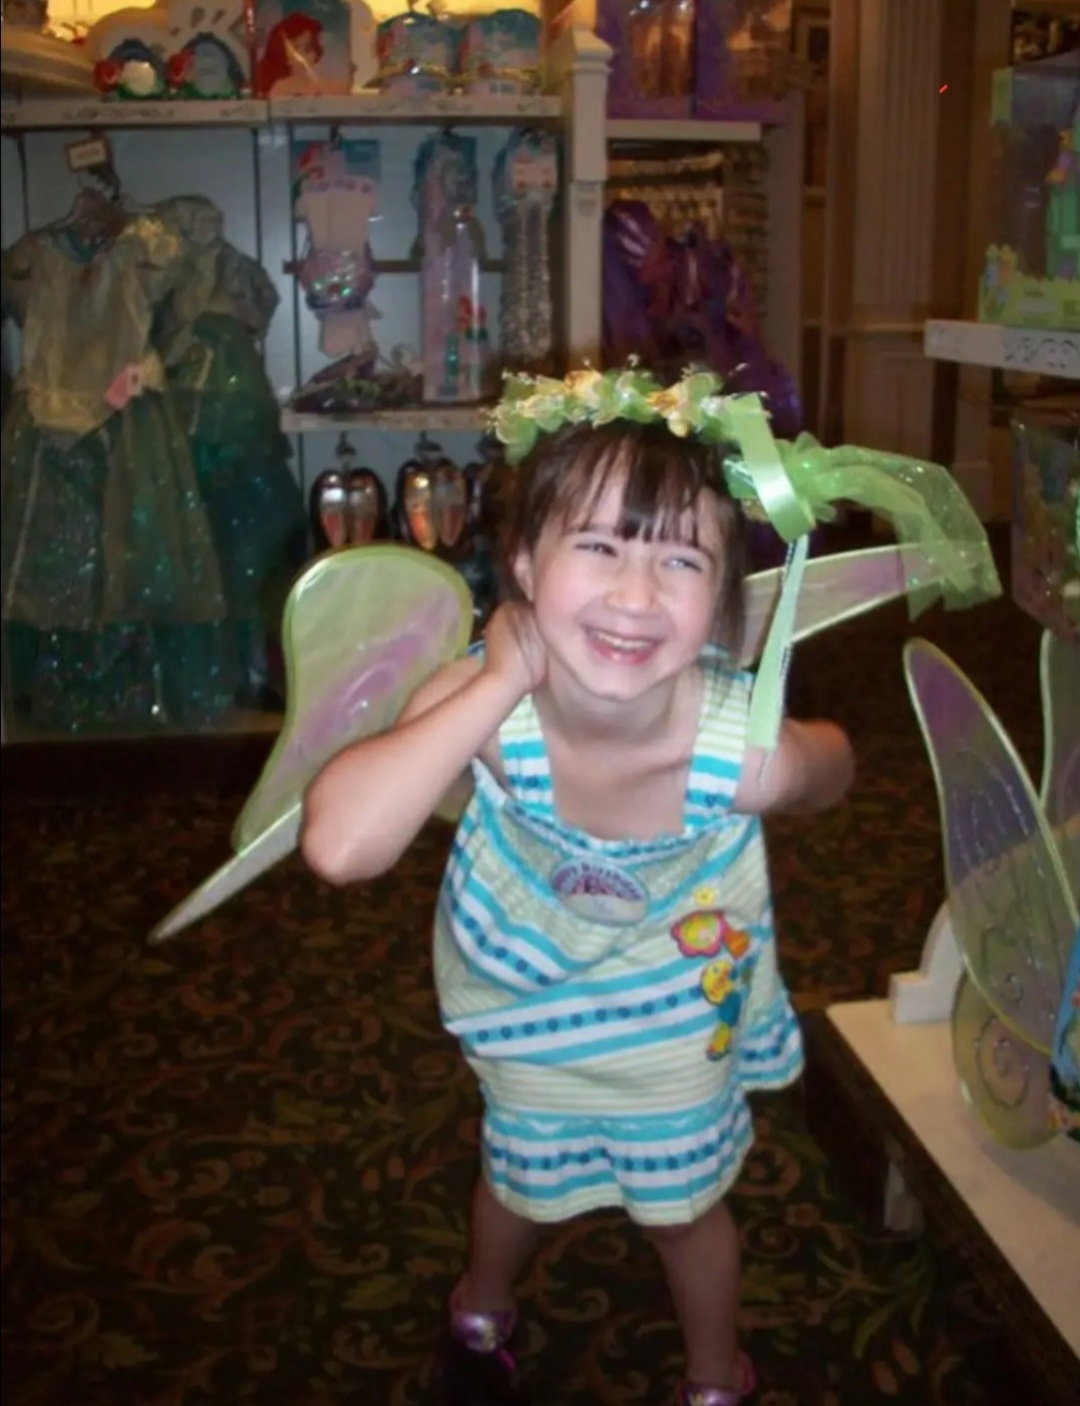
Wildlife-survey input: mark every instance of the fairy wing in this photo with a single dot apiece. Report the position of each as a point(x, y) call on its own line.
point(362, 629)
point(1059, 673)
point(1004, 1078)
point(1010, 904)
point(834, 589)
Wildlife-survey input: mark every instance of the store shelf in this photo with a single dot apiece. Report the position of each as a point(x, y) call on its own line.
point(415, 418)
point(373, 107)
point(43, 113)
point(364, 109)
point(1007, 348)
point(33, 63)
point(652, 129)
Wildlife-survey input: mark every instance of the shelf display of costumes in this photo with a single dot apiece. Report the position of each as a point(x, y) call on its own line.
point(137, 456)
point(335, 196)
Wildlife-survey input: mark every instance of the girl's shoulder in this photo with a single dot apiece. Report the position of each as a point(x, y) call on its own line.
point(442, 684)
point(726, 684)
point(445, 681)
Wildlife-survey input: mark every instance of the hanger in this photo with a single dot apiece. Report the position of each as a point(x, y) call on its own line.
point(98, 215)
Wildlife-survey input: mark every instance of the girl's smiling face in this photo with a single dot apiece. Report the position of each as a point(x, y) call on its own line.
point(621, 614)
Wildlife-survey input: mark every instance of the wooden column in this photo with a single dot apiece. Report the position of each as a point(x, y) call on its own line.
point(904, 78)
point(979, 454)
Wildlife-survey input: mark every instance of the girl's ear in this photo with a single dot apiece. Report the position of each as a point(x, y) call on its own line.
point(523, 573)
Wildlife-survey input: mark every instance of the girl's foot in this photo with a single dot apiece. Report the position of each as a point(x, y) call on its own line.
point(478, 1368)
point(698, 1394)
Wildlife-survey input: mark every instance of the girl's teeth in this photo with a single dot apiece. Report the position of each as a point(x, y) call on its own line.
point(617, 642)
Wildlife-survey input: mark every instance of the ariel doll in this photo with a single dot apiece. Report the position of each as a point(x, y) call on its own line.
point(289, 64)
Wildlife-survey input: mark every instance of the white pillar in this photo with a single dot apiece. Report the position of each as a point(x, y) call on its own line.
point(580, 62)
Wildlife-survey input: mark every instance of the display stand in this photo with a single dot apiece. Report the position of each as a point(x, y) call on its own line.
point(886, 1066)
point(160, 149)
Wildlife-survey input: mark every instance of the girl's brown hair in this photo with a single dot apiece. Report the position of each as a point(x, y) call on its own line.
point(662, 477)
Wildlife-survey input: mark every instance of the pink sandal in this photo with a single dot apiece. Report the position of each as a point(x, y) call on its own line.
point(695, 1394)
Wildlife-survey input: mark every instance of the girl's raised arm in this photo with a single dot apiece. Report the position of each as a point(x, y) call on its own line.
point(811, 769)
point(369, 802)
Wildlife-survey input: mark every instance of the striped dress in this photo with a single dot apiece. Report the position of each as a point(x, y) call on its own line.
point(616, 999)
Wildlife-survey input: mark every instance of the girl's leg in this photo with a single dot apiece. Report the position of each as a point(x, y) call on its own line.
point(701, 1264)
point(500, 1244)
point(478, 1368)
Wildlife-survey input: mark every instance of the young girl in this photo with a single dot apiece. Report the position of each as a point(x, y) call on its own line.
point(604, 944)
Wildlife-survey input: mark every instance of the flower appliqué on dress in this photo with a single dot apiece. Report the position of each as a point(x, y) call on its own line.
point(726, 978)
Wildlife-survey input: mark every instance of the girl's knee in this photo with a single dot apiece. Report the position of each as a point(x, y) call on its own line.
point(667, 1236)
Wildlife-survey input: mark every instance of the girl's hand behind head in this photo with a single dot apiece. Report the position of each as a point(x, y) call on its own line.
point(513, 648)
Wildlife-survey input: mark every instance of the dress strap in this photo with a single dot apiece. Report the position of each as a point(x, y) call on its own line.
point(525, 760)
point(720, 746)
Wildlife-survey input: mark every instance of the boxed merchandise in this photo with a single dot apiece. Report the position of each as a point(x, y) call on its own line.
point(670, 59)
point(1045, 523)
point(1031, 277)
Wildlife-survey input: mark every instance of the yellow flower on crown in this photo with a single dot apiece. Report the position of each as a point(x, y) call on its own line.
point(674, 405)
point(586, 386)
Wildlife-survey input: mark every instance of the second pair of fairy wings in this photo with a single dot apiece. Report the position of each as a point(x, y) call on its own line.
point(365, 626)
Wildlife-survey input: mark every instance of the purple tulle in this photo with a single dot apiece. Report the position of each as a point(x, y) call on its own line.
point(676, 302)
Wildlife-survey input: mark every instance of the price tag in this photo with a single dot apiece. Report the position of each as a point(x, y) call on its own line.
point(88, 155)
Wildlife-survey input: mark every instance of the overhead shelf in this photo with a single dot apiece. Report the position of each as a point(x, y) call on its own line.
point(40, 114)
point(655, 129)
point(36, 64)
point(412, 418)
point(364, 109)
point(375, 106)
point(1028, 349)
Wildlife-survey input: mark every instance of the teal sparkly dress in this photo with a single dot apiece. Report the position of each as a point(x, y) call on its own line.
point(118, 592)
point(228, 410)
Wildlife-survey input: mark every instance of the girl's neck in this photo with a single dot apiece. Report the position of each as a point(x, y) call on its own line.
point(582, 719)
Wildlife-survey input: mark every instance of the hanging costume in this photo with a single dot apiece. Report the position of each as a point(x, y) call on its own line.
point(112, 582)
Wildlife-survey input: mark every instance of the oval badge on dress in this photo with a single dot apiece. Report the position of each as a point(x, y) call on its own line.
point(600, 893)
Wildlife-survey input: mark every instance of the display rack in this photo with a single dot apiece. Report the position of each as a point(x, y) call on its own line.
point(641, 129)
point(39, 63)
point(417, 419)
point(160, 148)
point(89, 113)
point(1047, 353)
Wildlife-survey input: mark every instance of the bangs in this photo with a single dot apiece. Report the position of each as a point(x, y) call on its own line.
point(660, 481)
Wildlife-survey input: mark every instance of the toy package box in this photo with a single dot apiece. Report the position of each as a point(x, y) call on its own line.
point(674, 59)
point(1045, 508)
point(1031, 277)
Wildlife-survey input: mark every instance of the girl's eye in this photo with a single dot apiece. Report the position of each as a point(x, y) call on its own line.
point(686, 564)
point(592, 544)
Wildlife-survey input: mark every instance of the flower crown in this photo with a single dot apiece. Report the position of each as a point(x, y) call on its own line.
point(792, 484)
point(532, 405)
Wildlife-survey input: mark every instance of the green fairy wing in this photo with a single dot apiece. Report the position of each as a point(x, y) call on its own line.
point(362, 630)
point(1010, 904)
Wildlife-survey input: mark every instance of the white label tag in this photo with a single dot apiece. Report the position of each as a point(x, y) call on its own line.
point(84, 156)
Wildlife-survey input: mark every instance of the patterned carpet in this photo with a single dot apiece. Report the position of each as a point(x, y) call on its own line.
point(236, 1168)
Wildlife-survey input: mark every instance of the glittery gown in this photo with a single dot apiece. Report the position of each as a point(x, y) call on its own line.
point(116, 604)
point(228, 410)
